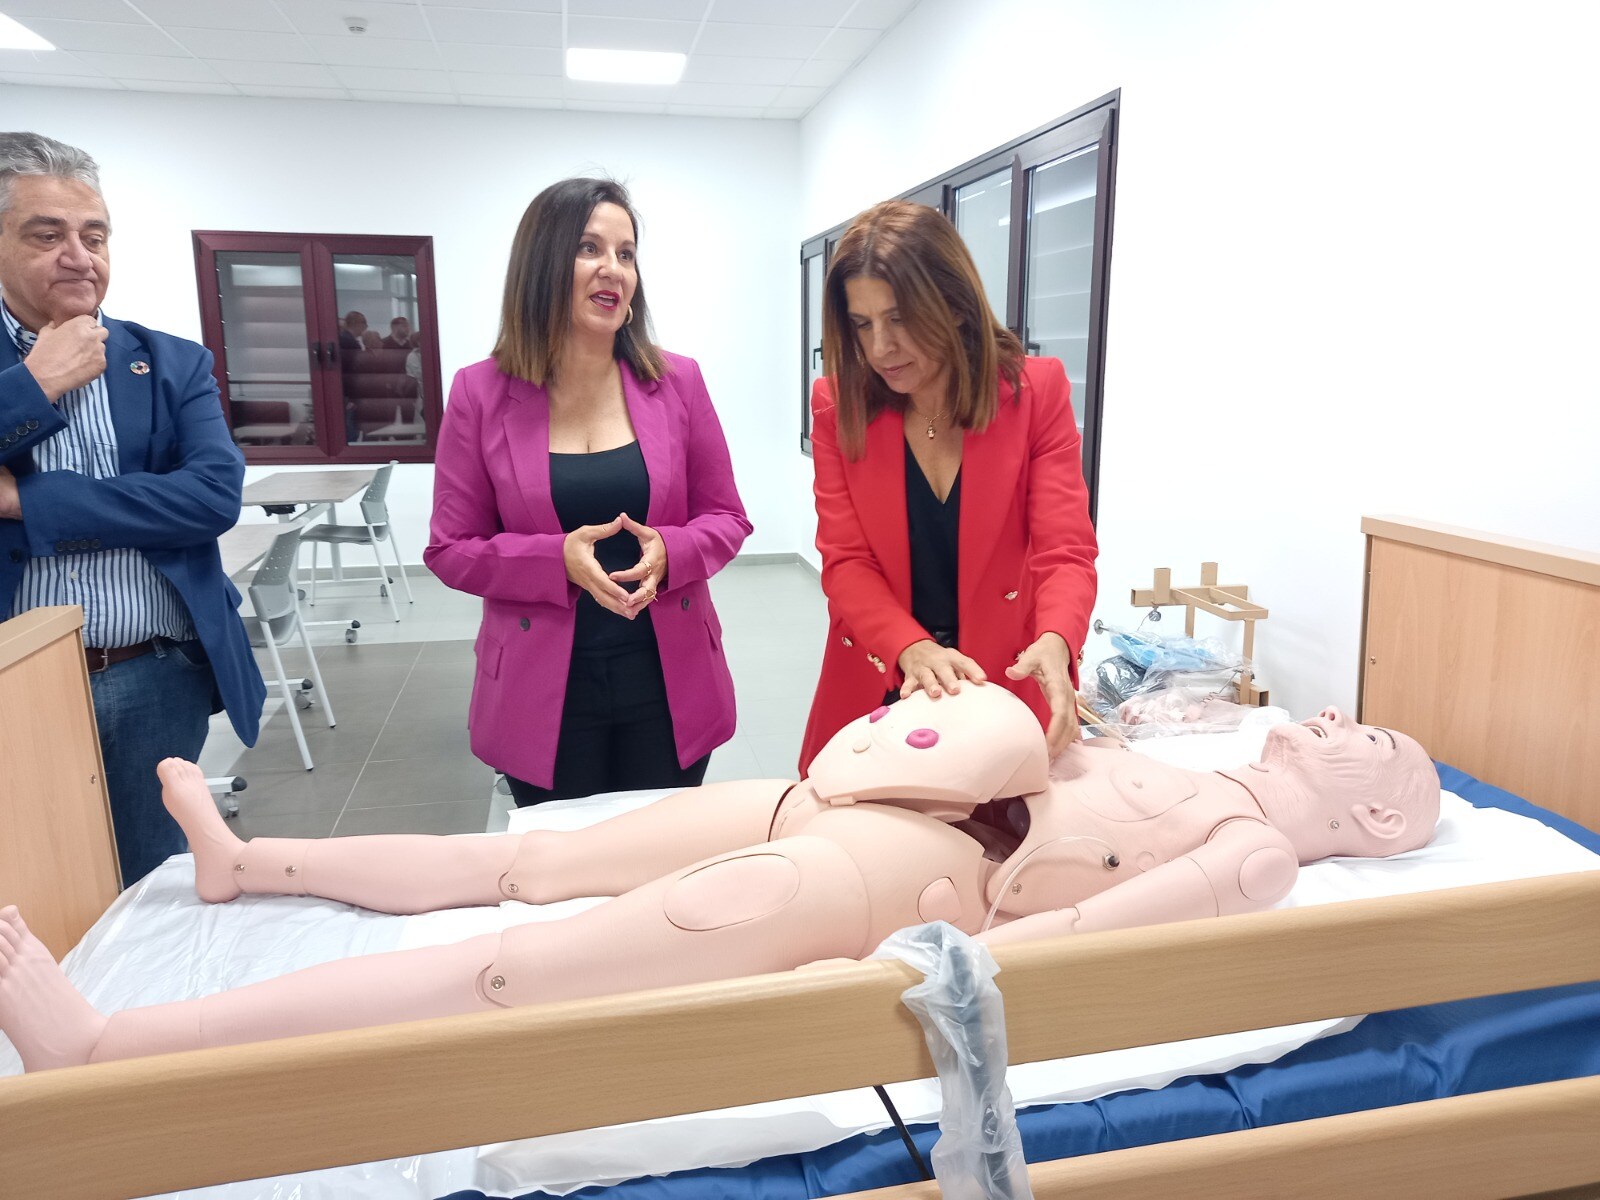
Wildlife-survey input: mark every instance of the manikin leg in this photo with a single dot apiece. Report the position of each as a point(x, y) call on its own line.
point(769, 907)
point(403, 873)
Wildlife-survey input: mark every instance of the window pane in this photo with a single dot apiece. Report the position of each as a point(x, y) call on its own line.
point(814, 281)
point(381, 349)
point(1061, 263)
point(983, 218)
point(265, 347)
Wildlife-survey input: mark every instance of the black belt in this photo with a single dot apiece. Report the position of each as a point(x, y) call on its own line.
point(99, 659)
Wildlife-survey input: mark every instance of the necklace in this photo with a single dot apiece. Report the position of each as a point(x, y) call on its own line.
point(932, 427)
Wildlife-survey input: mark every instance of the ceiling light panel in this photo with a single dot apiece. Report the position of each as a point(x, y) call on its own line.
point(653, 67)
point(16, 36)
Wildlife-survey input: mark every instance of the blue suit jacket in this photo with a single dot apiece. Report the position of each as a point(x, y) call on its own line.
point(178, 490)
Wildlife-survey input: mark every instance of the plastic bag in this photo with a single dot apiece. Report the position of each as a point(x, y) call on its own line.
point(979, 1152)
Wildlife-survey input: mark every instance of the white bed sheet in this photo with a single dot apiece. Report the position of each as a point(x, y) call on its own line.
point(159, 943)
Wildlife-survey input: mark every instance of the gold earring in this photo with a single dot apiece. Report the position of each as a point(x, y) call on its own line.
point(629, 321)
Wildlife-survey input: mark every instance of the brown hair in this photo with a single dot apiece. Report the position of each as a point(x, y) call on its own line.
point(919, 254)
point(537, 310)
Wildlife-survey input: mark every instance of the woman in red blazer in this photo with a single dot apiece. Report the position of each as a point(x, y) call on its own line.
point(952, 516)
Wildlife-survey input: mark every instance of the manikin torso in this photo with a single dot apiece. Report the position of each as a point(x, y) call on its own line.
point(1103, 817)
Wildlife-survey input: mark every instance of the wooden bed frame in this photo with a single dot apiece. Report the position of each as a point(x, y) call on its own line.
point(151, 1125)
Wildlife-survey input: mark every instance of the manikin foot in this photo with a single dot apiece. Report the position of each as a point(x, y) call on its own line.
point(49, 1023)
point(216, 849)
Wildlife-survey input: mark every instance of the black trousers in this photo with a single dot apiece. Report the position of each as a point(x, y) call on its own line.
point(616, 732)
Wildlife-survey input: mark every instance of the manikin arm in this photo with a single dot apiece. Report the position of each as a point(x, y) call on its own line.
point(1246, 866)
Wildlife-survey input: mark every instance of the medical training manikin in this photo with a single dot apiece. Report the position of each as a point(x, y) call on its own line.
point(927, 810)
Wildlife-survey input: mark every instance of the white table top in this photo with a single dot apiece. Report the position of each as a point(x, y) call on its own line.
point(307, 487)
point(244, 546)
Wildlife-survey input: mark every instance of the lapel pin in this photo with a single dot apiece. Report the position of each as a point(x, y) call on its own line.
point(139, 367)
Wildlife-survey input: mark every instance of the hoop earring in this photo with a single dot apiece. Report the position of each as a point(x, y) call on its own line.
point(629, 321)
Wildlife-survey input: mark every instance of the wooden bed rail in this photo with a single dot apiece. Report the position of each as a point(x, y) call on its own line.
point(187, 1120)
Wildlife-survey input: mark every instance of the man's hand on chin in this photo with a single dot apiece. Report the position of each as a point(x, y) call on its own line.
point(10, 498)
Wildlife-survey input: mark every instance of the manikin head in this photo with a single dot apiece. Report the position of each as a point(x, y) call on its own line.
point(1345, 788)
point(947, 755)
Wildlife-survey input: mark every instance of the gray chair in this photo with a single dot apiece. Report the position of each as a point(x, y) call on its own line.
point(375, 528)
point(277, 619)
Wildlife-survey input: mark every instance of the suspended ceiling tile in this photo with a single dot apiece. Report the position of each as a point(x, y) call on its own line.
point(613, 33)
point(503, 60)
point(182, 87)
point(823, 13)
point(377, 79)
point(495, 28)
point(209, 14)
point(734, 95)
point(525, 86)
point(384, 19)
point(512, 101)
point(368, 51)
point(128, 67)
point(45, 62)
point(759, 41)
point(278, 91)
point(105, 37)
point(226, 44)
point(799, 97)
point(73, 10)
point(713, 110)
point(848, 44)
point(404, 97)
point(877, 14)
point(717, 68)
point(622, 106)
point(297, 75)
point(84, 81)
point(819, 72)
point(660, 10)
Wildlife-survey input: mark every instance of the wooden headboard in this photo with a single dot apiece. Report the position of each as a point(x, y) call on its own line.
point(1486, 649)
point(58, 857)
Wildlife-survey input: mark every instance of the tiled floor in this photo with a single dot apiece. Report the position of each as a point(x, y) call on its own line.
point(398, 761)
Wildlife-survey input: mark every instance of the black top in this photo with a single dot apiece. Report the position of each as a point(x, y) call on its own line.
point(934, 555)
point(591, 489)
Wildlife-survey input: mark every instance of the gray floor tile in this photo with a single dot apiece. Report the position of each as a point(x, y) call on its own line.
point(423, 736)
point(467, 816)
point(459, 650)
point(778, 755)
point(447, 674)
point(350, 741)
point(438, 779)
point(296, 825)
point(272, 793)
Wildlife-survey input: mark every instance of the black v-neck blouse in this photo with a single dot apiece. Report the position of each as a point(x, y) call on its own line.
point(934, 528)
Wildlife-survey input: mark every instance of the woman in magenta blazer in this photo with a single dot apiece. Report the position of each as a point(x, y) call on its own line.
point(952, 517)
point(582, 487)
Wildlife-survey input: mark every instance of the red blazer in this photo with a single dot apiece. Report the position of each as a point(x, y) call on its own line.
point(1026, 547)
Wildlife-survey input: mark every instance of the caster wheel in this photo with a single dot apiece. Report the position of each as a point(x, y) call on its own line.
point(302, 702)
point(383, 591)
point(350, 635)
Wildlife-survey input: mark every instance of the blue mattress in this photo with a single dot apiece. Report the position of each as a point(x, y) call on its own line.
point(1390, 1058)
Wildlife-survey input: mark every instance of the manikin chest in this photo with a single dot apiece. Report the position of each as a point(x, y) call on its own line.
point(1121, 816)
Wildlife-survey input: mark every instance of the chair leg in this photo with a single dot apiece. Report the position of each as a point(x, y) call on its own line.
point(383, 572)
point(394, 545)
point(316, 675)
point(313, 574)
point(288, 696)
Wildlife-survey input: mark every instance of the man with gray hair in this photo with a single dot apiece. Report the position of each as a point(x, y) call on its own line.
point(117, 474)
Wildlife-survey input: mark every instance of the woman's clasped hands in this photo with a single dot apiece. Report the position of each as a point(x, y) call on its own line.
point(584, 569)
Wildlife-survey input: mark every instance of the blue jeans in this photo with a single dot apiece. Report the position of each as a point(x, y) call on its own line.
point(148, 708)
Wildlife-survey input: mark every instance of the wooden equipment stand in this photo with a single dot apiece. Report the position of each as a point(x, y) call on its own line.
point(1231, 603)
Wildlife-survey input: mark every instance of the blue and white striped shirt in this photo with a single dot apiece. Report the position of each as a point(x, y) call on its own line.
point(125, 599)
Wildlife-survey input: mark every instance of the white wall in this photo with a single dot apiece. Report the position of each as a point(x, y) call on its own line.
point(717, 200)
point(1353, 270)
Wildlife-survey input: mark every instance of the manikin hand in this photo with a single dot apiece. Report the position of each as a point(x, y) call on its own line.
point(10, 499)
point(1049, 662)
point(585, 571)
point(651, 571)
point(67, 356)
point(935, 669)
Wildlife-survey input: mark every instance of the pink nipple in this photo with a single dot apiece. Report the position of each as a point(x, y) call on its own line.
point(922, 739)
point(878, 713)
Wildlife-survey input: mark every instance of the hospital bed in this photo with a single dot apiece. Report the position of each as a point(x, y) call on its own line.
point(146, 1126)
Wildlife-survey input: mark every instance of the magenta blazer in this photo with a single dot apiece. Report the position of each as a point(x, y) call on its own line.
point(495, 534)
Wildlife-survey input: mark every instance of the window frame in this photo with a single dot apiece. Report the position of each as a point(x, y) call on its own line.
point(317, 252)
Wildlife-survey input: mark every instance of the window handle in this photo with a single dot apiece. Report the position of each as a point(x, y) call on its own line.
point(316, 352)
point(816, 356)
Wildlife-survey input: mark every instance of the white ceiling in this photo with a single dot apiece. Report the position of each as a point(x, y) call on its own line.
point(747, 58)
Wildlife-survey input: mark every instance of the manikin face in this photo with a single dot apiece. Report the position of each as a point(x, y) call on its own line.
point(886, 345)
point(1366, 789)
point(55, 255)
point(604, 274)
